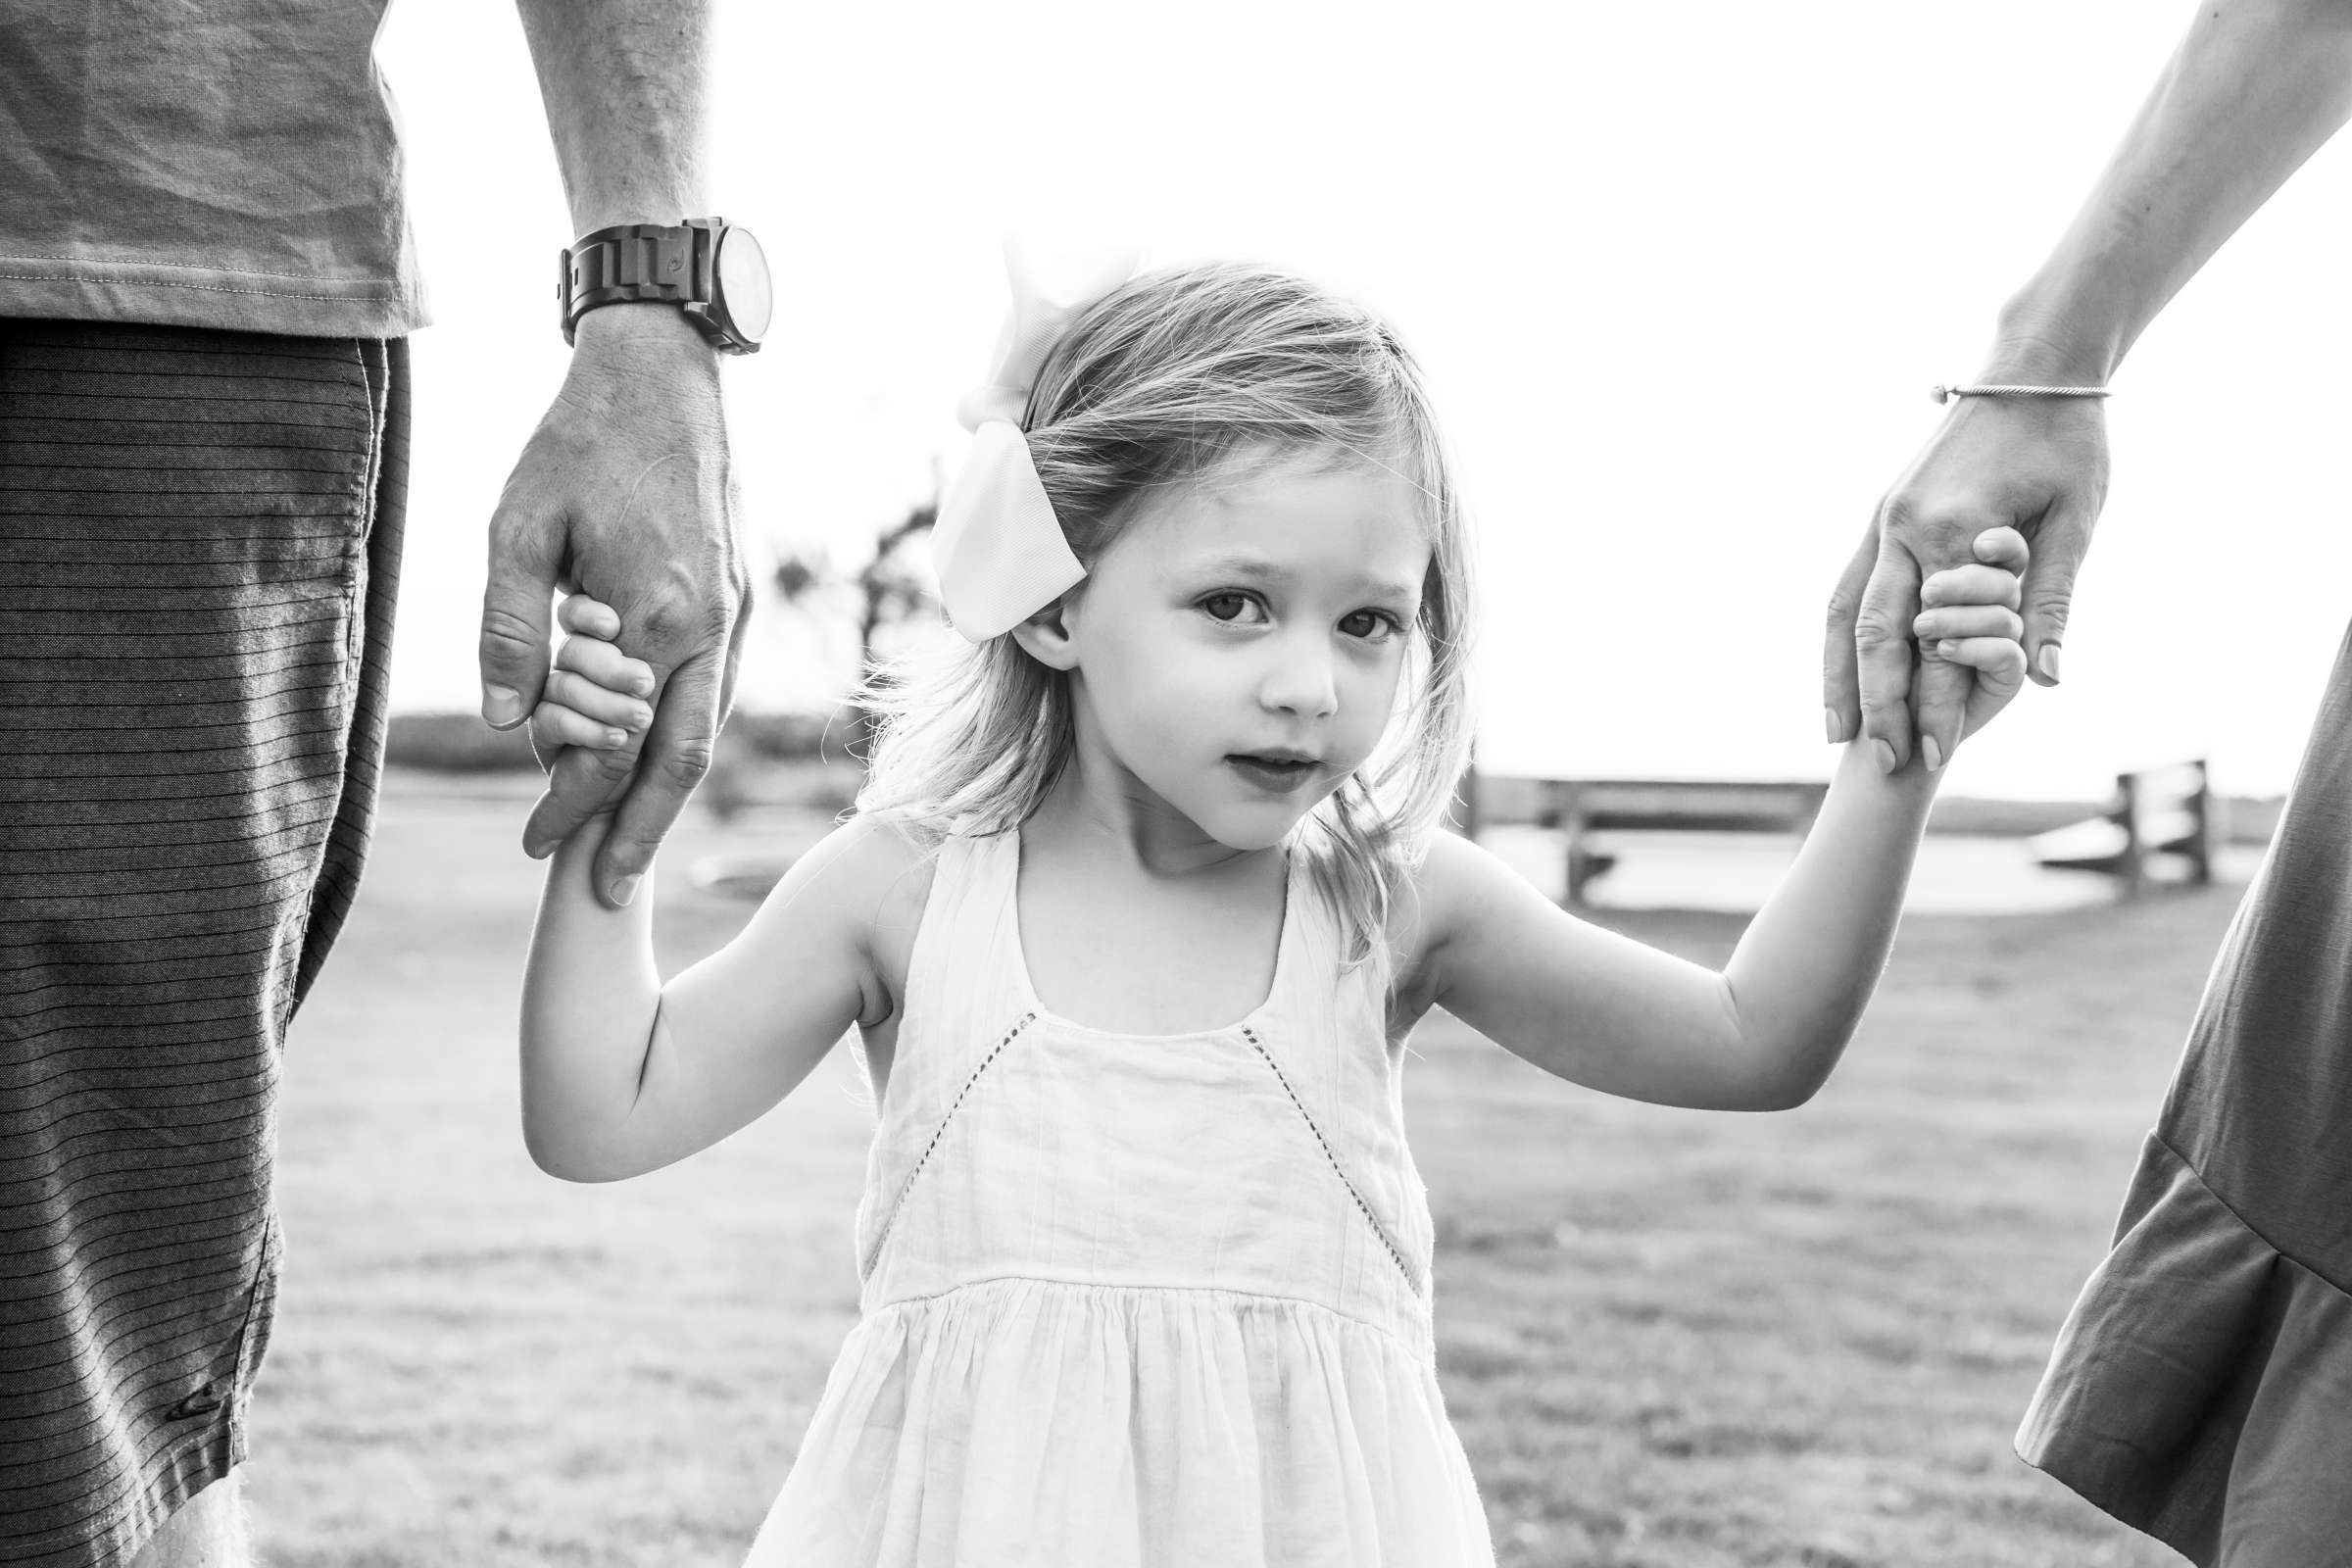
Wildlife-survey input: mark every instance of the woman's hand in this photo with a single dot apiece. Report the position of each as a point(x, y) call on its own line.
point(2038, 466)
point(1971, 624)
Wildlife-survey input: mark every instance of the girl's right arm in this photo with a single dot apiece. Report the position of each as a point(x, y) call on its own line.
point(623, 1074)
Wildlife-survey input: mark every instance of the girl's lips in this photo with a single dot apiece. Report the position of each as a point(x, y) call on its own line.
point(1278, 776)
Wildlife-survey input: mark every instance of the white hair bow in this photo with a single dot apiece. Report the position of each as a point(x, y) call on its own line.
point(998, 547)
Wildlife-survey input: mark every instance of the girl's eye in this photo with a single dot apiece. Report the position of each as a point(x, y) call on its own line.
point(1229, 607)
point(1372, 625)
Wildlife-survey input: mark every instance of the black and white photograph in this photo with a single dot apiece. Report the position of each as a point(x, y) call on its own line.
point(1240, 785)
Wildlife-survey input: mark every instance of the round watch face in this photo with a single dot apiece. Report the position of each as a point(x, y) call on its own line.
point(743, 285)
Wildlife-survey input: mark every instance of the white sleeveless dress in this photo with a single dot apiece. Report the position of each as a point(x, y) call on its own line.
point(1133, 1301)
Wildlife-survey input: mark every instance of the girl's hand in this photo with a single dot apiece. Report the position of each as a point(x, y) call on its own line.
point(1972, 619)
point(597, 696)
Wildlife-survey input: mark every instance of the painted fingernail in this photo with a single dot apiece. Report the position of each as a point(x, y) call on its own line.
point(1835, 726)
point(2049, 662)
point(502, 706)
point(1887, 762)
point(1933, 751)
point(625, 889)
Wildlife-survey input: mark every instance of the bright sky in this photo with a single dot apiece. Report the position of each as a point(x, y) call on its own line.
point(1680, 276)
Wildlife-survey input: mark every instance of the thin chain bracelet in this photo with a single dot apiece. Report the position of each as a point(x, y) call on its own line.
point(1942, 393)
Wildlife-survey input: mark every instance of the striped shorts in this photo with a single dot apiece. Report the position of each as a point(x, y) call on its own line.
point(199, 547)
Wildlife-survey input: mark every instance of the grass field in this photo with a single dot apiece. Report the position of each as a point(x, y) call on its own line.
point(1668, 1339)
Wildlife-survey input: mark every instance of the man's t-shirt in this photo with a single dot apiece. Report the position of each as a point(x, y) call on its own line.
point(202, 163)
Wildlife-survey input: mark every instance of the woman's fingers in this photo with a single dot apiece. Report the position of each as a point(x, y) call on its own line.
point(607, 665)
point(1884, 656)
point(2064, 535)
point(1841, 682)
point(1969, 620)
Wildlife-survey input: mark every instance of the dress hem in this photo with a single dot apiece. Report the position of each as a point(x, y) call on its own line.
point(2201, 1362)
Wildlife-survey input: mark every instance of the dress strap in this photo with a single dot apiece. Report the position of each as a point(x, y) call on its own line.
point(1325, 1028)
point(1311, 996)
point(962, 990)
point(1324, 1044)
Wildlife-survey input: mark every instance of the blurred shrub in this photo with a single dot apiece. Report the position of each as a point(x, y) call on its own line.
point(460, 742)
point(454, 743)
point(791, 737)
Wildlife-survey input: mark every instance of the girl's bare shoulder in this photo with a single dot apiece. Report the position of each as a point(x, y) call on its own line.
point(872, 869)
point(1421, 919)
point(876, 872)
point(1455, 882)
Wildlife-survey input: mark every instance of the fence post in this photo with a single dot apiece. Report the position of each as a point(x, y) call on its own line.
point(2201, 812)
point(2132, 870)
point(1569, 807)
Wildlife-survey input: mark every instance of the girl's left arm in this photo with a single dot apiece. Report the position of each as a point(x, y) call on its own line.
point(1601, 1010)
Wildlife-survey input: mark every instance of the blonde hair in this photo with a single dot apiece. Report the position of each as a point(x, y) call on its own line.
point(1176, 376)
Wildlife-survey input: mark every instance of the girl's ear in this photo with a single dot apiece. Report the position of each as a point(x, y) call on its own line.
point(1045, 637)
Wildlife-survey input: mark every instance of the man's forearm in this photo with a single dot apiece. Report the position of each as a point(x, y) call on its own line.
point(2254, 89)
point(622, 81)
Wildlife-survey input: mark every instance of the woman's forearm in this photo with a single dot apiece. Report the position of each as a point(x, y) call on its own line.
point(1804, 969)
point(590, 998)
point(2254, 89)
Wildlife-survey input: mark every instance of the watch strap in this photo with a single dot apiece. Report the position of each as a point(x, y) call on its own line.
point(671, 263)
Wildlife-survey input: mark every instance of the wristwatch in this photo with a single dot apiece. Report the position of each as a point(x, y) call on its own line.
point(712, 271)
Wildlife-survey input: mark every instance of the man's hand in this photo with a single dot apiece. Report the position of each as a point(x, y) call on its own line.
point(623, 493)
point(2036, 464)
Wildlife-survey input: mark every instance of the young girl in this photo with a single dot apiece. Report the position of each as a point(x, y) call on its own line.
point(1135, 917)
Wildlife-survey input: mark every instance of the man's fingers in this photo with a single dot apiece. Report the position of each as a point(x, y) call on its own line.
point(734, 661)
point(584, 616)
point(512, 649)
point(1840, 686)
point(2059, 545)
point(676, 755)
point(2004, 548)
point(580, 783)
point(1884, 651)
